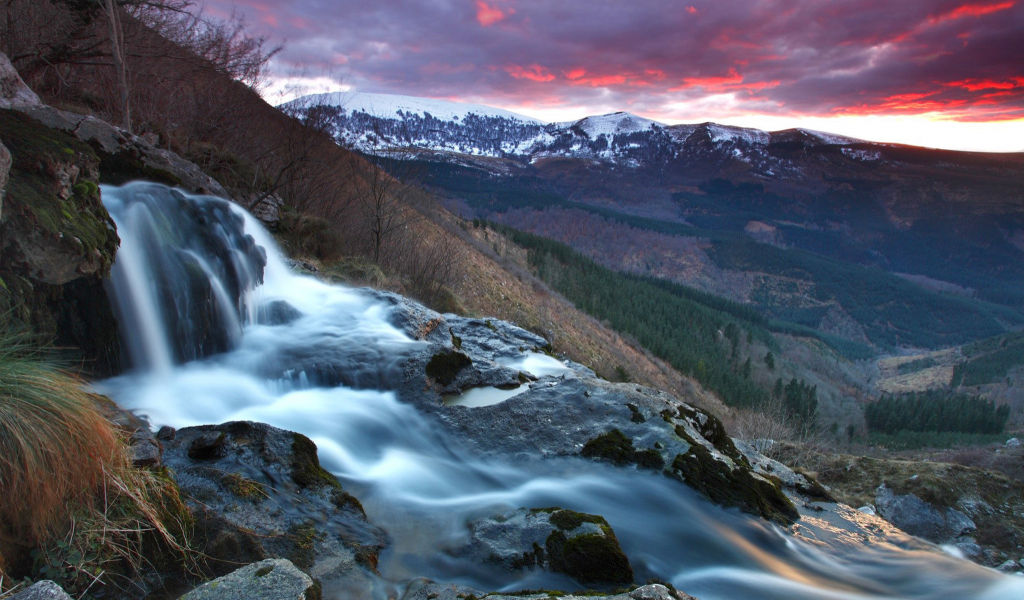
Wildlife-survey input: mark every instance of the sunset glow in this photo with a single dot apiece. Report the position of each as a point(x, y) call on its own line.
point(935, 73)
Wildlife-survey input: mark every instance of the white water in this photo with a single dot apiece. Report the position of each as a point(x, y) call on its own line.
point(418, 485)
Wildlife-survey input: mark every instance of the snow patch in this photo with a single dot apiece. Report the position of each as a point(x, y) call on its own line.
point(389, 105)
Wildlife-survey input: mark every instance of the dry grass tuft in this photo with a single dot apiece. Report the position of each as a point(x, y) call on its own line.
point(55, 446)
point(74, 509)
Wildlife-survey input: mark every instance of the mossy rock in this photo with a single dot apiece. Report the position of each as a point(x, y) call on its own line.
point(590, 558)
point(444, 367)
point(306, 469)
point(733, 486)
point(618, 449)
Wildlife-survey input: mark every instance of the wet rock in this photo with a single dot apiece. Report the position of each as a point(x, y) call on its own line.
point(264, 494)
point(579, 545)
point(917, 517)
point(166, 433)
point(1013, 443)
point(145, 450)
point(653, 591)
point(272, 579)
point(574, 413)
point(278, 312)
point(971, 550)
point(206, 446)
point(43, 590)
point(13, 91)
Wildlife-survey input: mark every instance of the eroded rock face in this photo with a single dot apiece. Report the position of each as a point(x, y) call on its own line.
point(13, 91)
point(5, 169)
point(257, 491)
point(917, 517)
point(579, 545)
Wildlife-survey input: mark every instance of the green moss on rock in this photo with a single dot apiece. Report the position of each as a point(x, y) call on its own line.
point(733, 486)
point(618, 449)
point(445, 366)
point(306, 469)
point(589, 558)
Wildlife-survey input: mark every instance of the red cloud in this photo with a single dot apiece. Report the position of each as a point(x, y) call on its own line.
point(533, 73)
point(489, 15)
point(691, 9)
point(974, 10)
point(599, 80)
point(975, 85)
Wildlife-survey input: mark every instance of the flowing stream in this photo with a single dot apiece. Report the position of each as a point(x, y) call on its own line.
point(218, 328)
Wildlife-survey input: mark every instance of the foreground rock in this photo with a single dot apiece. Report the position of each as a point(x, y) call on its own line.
point(257, 491)
point(43, 590)
point(274, 579)
point(579, 545)
point(654, 591)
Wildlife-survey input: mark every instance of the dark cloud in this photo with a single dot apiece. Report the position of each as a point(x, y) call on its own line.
point(792, 57)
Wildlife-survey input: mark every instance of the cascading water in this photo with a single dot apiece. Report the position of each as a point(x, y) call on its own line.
point(219, 329)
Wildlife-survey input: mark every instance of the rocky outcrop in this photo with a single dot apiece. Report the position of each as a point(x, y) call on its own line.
point(57, 240)
point(13, 91)
point(917, 517)
point(257, 491)
point(579, 545)
point(125, 157)
point(273, 579)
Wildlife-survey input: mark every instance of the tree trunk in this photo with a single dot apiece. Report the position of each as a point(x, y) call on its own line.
point(117, 53)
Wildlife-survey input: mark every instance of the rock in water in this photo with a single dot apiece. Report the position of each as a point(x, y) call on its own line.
point(258, 491)
point(579, 545)
point(273, 579)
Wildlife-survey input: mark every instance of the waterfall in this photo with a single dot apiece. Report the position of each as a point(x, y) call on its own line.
point(217, 328)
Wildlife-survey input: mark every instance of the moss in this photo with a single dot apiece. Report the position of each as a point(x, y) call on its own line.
point(445, 366)
point(456, 340)
point(733, 487)
point(38, 153)
point(124, 166)
point(246, 489)
point(588, 558)
point(636, 416)
point(344, 501)
point(570, 519)
point(618, 449)
point(712, 429)
point(315, 591)
point(303, 537)
point(306, 469)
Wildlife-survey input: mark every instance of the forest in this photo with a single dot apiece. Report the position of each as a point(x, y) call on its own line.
point(935, 411)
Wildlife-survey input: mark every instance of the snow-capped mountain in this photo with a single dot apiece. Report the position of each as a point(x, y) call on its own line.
point(458, 131)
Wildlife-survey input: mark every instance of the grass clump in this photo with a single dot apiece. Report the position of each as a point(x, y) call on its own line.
point(73, 509)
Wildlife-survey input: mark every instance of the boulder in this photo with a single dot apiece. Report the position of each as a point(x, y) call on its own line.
point(579, 545)
point(13, 91)
point(258, 492)
point(917, 517)
point(272, 579)
point(43, 590)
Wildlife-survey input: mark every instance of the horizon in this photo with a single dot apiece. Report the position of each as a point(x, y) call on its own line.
point(940, 74)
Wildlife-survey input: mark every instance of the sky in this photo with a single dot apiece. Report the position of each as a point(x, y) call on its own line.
point(938, 73)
